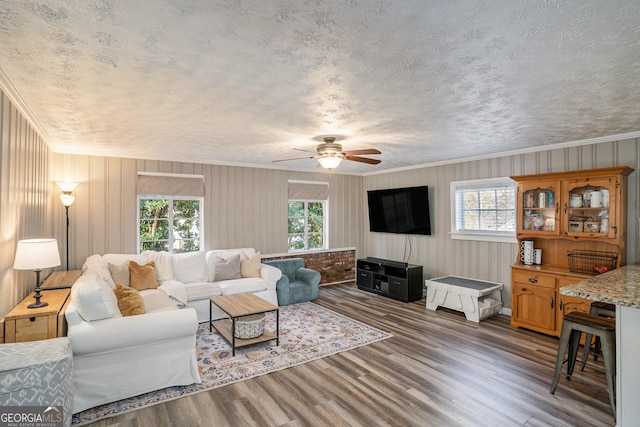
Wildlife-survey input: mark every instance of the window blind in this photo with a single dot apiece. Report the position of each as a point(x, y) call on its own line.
point(171, 185)
point(299, 190)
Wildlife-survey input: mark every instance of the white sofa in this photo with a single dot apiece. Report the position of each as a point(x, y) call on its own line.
point(117, 357)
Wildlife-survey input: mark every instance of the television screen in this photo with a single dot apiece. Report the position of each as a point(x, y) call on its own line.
point(400, 210)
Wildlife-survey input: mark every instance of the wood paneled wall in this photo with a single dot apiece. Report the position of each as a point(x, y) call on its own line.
point(244, 207)
point(440, 255)
point(25, 198)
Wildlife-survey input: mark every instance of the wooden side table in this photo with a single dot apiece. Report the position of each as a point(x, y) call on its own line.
point(31, 324)
point(61, 279)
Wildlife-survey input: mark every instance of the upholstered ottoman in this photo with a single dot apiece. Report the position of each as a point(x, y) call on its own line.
point(38, 373)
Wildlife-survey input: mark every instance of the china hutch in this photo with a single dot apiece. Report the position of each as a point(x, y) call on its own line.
point(578, 220)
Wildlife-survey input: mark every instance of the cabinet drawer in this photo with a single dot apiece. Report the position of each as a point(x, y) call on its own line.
point(534, 278)
point(32, 329)
point(365, 279)
point(398, 287)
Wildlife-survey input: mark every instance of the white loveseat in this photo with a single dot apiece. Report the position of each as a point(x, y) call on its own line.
point(116, 357)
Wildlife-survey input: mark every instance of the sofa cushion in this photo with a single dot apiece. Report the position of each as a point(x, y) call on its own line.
point(93, 298)
point(120, 273)
point(226, 269)
point(163, 262)
point(238, 286)
point(143, 276)
point(250, 267)
point(130, 301)
point(120, 258)
point(189, 267)
point(202, 290)
point(155, 300)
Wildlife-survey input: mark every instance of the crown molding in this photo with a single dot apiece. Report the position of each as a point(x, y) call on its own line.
point(7, 87)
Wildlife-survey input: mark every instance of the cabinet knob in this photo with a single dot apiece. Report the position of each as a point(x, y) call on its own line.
point(533, 280)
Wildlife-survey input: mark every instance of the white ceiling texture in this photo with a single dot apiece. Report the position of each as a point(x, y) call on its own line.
point(247, 82)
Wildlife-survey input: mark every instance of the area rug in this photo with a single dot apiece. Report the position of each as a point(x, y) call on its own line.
point(307, 332)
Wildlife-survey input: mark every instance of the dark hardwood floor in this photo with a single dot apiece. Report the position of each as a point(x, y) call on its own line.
point(437, 370)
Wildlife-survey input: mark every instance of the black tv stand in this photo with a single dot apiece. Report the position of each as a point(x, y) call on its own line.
point(393, 279)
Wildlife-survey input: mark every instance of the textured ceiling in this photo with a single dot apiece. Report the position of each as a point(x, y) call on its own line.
point(246, 82)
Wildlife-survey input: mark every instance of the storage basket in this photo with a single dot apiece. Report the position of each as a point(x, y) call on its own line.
point(251, 326)
point(591, 262)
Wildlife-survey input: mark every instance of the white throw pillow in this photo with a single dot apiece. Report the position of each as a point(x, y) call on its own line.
point(98, 265)
point(189, 267)
point(94, 299)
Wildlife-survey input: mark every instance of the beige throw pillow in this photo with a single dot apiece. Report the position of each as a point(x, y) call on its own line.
point(120, 273)
point(130, 301)
point(143, 276)
point(250, 267)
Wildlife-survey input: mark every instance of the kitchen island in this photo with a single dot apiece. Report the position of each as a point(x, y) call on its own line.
point(622, 288)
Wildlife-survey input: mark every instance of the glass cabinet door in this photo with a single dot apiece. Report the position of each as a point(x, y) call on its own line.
point(589, 208)
point(538, 207)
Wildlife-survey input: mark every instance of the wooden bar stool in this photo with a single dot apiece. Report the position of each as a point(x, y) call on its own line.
point(573, 325)
point(599, 309)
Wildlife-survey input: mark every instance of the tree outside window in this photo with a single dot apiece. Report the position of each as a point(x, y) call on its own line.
point(306, 227)
point(169, 224)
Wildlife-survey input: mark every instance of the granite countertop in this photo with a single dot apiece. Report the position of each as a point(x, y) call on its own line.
point(620, 287)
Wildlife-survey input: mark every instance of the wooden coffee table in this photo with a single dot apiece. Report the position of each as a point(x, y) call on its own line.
point(239, 305)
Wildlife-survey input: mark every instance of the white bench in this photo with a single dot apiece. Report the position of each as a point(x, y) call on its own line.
point(470, 296)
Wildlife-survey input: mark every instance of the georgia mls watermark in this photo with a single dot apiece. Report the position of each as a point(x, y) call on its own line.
point(31, 416)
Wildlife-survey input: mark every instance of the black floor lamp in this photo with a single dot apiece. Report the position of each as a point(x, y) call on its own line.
point(67, 200)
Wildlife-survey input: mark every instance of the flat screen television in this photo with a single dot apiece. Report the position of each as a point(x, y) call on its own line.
point(400, 210)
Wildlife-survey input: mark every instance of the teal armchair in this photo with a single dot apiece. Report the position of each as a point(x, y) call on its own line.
point(297, 284)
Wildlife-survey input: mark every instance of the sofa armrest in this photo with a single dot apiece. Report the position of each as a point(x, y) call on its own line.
point(120, 332)
point(271, 274)
point(312, 277)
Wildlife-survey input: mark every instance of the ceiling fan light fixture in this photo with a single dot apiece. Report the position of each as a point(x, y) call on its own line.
point(330, 162)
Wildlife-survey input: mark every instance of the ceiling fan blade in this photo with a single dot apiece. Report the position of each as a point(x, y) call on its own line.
point(363, 151)
point(306, 151)
point(294, 158)
point(363, 160)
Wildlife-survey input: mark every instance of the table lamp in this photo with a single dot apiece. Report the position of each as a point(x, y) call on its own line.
point(36, 255)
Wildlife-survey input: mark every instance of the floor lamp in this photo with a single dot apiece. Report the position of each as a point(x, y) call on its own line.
point(67, 200)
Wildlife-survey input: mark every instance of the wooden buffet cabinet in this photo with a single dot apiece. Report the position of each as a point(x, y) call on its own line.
point(550, 213)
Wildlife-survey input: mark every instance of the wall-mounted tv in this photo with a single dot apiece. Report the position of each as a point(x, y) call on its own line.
point(400, 210)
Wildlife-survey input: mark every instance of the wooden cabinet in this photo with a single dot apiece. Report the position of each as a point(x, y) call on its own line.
point(31, 324)
point(536, 302)
point(556, 211)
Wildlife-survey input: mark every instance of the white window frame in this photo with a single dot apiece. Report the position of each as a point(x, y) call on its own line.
point(170, 216)
point(481, 235)
point(325, 225)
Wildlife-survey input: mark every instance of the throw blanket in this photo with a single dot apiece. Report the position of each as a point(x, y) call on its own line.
point(175, 290)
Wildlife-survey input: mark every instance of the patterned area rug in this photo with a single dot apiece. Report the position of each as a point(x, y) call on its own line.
point(307, 332)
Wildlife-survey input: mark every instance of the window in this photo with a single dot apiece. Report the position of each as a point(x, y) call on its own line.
point(306, 228)
point(484, 210)
point(172, 224)
point(170, 212)
point(307, 215)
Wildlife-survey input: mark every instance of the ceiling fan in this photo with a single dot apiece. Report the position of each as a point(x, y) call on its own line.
point(330, 154)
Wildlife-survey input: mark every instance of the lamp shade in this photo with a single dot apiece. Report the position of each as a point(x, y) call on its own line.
point(36, 254)
point(329, 162)
point(67, 199)
point(67, 187)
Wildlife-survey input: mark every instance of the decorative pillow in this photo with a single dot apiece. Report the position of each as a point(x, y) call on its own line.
point(227, 269)
point(250, 267)
point(94, 299)
point(120, 273)
point(97, 264)
point(130, 301)
point(142, 276)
